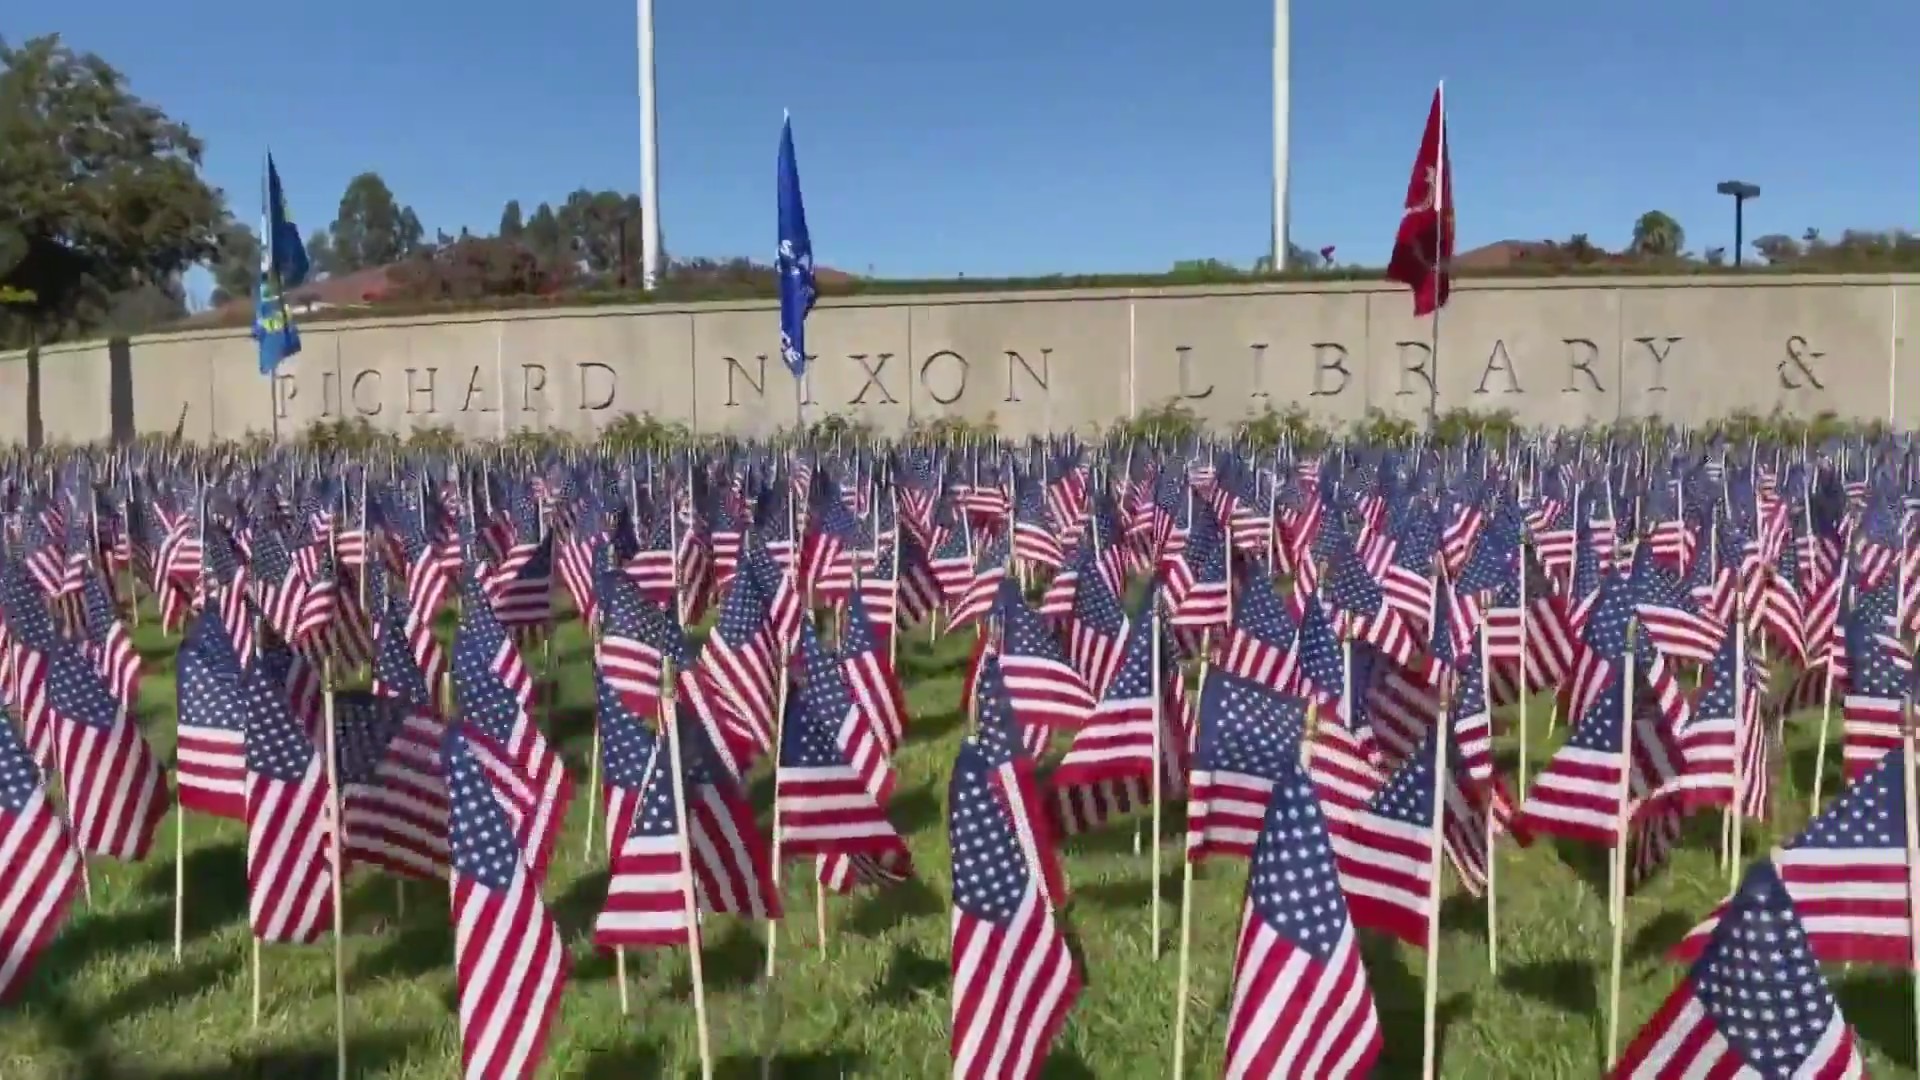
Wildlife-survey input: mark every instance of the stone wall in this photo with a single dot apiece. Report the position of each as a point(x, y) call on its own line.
point(1554, 350)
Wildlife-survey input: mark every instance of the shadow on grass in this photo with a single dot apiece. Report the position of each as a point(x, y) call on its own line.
point(732, 960)
point(167, 987)
point(1879, 1005)
point(797, 1064)
point(1065, 1063)
point(411, 950)
point(1400, 996)
point(368, 1054)
point(932, 727)
point(1464, 914)
point(1565, 983)
point(1117, 836)
point(1133, 893)
point(622, 1062)
point(911, 979)
point(1651, 942)
point(914, 809)
point(576, 908)
point(215, 897)
point(1588, 863)
point(876, 912)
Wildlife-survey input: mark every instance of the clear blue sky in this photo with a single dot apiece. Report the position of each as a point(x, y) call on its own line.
point(1000, 137)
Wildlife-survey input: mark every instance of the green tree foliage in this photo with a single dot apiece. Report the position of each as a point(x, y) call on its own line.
point(603, 230)
point(371, 228)
point(476, 268)
point(511, 225)
point(1656, 234)
point(236, 268)
point(544, 236)
point(100, 192)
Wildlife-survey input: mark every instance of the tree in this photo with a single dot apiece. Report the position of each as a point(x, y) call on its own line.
point(603, 230)
point(100, 191)
point(236, 269)
point(1658, 235)
point(320, 259)
point(371, 228)
point(544, 238)
point(510, 224)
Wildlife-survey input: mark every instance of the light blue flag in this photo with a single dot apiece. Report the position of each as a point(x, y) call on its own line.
point(795, 261)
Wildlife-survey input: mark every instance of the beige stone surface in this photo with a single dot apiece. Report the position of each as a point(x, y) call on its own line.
point(1555, 351)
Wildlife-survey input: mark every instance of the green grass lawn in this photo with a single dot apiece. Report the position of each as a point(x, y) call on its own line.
point(109, 1000)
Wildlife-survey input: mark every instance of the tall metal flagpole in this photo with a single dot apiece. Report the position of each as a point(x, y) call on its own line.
point(1282, 93)
point(649, 154)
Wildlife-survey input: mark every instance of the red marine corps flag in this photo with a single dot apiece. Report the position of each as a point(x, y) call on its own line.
point(1423, 247)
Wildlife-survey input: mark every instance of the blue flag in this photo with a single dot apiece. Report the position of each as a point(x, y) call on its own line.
point(795, 261)
point(283, 265)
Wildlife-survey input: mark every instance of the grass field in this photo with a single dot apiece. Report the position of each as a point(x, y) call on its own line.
point(109, 1000)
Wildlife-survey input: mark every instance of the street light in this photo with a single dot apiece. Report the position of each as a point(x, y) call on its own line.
point(1740, 191)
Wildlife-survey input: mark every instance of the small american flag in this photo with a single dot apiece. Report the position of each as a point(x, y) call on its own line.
point(1044, 689)
point(1878, 672)
point(487, 675)
point(1301, 1003)
point(39, 865)
point(732, 862)
point(210, 756)
point(108, 644)
point(1249, 737)
point(1260, 642)
point(1847, 875)
point(393, 787)
point(1096, 628)
point(1753, 1004)
point(1384, 848)
point(289, 822)
point(511, 963)
point(1014, 979)
point(869, 671)
point(834, 778)
point(116, 793)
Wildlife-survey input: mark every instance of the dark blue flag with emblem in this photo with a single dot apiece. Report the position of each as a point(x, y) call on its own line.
point(794, 261)
point(283, 265)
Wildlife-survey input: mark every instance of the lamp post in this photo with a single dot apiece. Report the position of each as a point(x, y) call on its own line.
point(1740, 191)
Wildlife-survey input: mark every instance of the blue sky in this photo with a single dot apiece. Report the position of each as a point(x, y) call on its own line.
point(999, 137)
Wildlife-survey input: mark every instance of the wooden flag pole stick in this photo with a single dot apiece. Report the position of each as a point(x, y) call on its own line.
point(256, 978)
point(1493, 852)
point(670, 727)
point(1908, 794)
point(179, 873)
point(338, 870)
point(1184, 985)
point(1430, 1015)
point(1159, 755)
point(1618, 878)
point(593, 791)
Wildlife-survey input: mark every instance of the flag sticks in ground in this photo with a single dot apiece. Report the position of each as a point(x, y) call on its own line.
point(1908, 795)
point(1185, 979)
point(670, 728)
point(1154, 785)
point(1436, 853)
point(339, 869)
point(1617, 862)
point(1493, 853)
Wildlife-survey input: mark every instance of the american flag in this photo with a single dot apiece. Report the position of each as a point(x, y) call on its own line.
point(532, 781)
point(225, 585)
point(29, 637)
point(39, 865)
point(634, 637)
point(1384, 847)
point(1199, 591)
point(210, 756)
point(1044, 689)
point(732, 863)
point(835, 780)
point(1301, 1004)
point(976, 599)
point(1096, 631)
point(508, 954)
point(393, 787)
point(108, 644)
point(1014, 978)
point(279, 586)
point(115, 791)
point(1260, 642)
point(743, 653)
point(1878, 673)
point(1362, 612)
point(289, 816)
point(1753, 1004)
point(1109, 766)
point(1847, 875)
point(1321, 669)
point(1036, 534)
point(1248, 739)
point(869, 672)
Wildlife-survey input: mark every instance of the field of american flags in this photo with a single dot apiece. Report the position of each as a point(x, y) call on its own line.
point(109, 1000)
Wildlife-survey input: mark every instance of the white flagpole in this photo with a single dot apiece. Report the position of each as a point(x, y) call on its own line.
point(1282, 104)
point(649, 154)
